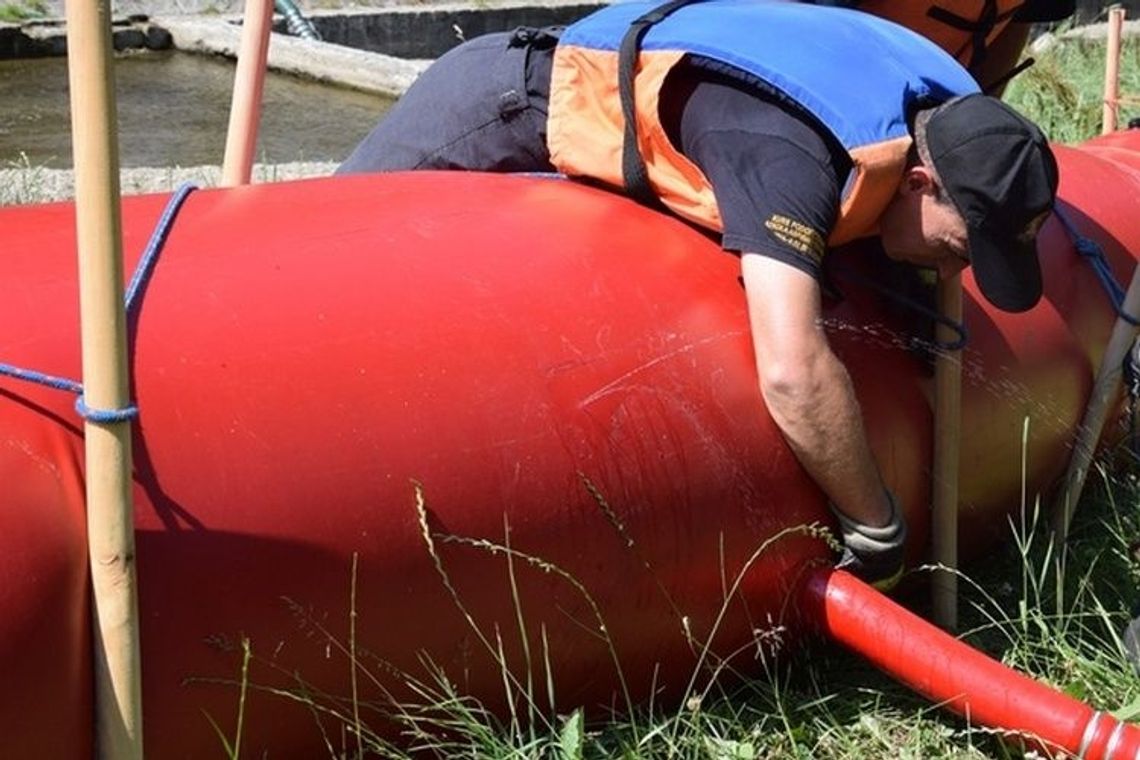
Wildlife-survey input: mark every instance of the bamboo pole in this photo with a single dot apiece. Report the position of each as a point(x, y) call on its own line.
point(1105, 390)
point(249, 81)
point(947, 434)
point(118, 690)
point(1112, 69)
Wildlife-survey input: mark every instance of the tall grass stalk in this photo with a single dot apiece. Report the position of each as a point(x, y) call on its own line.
point(511, 682)
point(353, 660)
point(233, 748)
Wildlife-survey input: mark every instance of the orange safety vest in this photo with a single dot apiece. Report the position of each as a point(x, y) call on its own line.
point(962, 28)
point(802, 52)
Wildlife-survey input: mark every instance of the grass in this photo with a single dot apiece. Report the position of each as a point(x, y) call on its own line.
point(1059, 622)
point(23, 182)
point(1063, 91)
point(828, 704)
point(25, 10)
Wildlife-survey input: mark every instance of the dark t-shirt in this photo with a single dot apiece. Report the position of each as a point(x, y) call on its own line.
point(776, 179)
point(776, 174)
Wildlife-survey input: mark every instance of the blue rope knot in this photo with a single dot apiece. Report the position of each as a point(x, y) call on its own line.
point(1088, 247)
point(104, 416)
point(138, 283)
point(1092, 251)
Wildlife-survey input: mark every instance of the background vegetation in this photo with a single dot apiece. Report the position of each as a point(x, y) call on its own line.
point(1064, 90)
point(22, 10)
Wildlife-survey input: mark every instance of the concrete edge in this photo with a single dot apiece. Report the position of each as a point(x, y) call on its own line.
point(1090, 32)
point(321, 61)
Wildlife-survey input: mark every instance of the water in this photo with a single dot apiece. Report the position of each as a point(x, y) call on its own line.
point(173, 111)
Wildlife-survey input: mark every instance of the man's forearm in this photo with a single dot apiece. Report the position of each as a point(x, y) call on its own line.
point(820, 417)
point(807, 389)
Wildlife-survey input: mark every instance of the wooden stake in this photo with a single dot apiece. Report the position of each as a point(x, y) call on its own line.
point(249, 81)
point(118, 691)
point(1112, 70)
point(947, 435)
point(1105, 391)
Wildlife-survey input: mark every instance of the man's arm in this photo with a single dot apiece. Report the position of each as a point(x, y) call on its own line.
point(777, 182)
point(807, 389)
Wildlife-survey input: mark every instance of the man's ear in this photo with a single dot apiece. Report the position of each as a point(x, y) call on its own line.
point(917, 179)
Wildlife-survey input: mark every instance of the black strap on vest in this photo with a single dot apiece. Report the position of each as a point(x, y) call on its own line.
point(1001, 81)
point(980, 28)
point(633, 170)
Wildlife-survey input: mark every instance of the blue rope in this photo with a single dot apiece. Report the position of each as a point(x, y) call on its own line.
point(1092, 251)
point(139, 280)
point(59, 383)
point(915, 306)
point(145, 267)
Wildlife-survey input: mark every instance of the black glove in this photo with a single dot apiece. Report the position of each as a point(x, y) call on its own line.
point(874, 554)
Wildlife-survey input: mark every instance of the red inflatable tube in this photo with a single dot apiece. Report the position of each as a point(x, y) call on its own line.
point(948, 672)
point(306, 352)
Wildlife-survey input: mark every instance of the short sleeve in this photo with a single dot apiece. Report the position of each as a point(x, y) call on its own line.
point(775, 198)
point(775, 172)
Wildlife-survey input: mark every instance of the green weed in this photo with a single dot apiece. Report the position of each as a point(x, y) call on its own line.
point(21, 182)
point(24, 10)
point(233, 747)
point(1063, 91)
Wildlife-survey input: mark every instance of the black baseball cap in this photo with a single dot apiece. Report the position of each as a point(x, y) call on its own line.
point(997, 168)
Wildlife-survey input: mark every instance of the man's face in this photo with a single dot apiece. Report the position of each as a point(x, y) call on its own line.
point(925, 229)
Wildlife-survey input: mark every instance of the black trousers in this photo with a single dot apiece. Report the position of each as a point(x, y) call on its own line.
point(481, 106)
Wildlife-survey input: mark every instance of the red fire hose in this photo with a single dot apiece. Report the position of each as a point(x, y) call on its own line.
point(949, 672)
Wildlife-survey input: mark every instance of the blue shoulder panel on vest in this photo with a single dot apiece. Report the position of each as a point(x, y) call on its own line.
point(857, 73)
